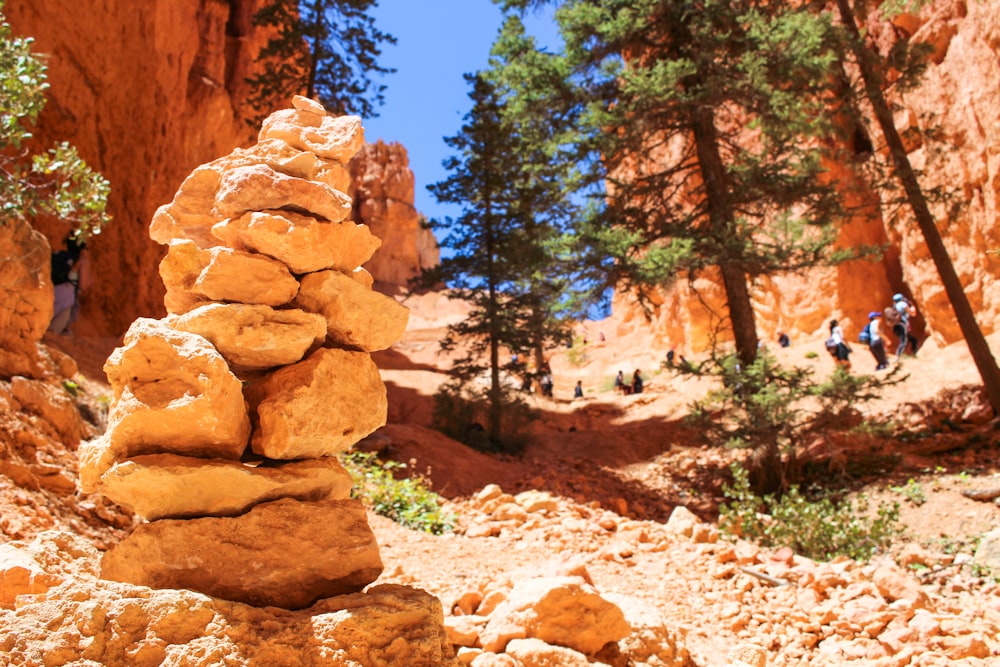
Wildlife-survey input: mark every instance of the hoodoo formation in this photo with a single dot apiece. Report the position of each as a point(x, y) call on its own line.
point(228, 413)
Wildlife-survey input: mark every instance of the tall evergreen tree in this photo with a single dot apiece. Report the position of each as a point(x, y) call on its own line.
point(505, 257)
point(872, 68)
point(550, 286)
point(323, 49)
point(481, 241)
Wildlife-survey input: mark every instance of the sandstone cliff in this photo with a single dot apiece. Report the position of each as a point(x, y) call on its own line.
point(147, 94)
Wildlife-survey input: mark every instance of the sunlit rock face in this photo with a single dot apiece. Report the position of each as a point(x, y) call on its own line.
point(227, 413)
point(147, 93)
point(382, 187)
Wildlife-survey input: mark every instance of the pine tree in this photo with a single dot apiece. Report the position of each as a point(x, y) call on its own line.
point(552, 287)
point(505, 252)
point(479, 241)
point(324, 49)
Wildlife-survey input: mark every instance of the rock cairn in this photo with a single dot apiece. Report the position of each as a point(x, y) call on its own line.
point(228, 414)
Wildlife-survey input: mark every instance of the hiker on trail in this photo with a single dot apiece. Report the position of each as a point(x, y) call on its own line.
point(783, 339)
point(547, 384)
point(578, 390)
point(69, 276)
point(620, 383)
point(872, 335)
point(636, 382)
point(670, 357)
point(837, 346)
point(898, 315)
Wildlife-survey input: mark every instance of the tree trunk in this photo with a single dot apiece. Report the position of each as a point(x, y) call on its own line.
point(734, 278)
point(964, 315)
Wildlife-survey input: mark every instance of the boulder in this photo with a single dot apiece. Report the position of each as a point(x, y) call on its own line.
point(284, 553)
point(159, 486)
point(318, 407)
point(190, 215)
point(308, 128)
point(988, 552)
point(302, 243)
point(563, 611)
point(21, 575)
point(356, 316)
point(536, 653)
point(26, 297)
point(53, 403)
point(193, 275)
point(652, 640)
point(254, 336)
point(87, 621)
point(173, 392)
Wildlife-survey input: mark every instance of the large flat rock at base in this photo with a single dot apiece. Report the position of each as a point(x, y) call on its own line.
point(284, 553)
point(302, 243)
point(254, 337)
point(356, 316)
point(318, 407)
point(162, 486)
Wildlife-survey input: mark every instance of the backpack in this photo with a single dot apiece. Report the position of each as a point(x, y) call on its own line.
point(865, 336)
point(831, 344)
point(892, 316)
point(62, 266)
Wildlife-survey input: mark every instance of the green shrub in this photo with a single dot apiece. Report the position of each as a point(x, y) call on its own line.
point(769, 408)
point(406, 501)
point(912, 491)
point(821, 528)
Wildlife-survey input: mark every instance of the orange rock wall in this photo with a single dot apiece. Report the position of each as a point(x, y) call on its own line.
point(382, 189)
point(147, 92)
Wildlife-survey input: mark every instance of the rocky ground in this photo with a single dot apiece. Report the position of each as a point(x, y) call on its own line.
point(593, 499)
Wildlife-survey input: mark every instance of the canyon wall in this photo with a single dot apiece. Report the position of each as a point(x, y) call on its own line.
point(147, 94)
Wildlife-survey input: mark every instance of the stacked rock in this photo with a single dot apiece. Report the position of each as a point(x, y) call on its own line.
point(228, 414)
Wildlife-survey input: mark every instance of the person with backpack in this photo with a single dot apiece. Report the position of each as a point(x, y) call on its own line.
point(837, 346)
point(872, 336)
point(637, 382)
point(68, 271)
point(898, 316)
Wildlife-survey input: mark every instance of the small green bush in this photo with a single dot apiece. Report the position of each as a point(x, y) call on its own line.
point(821, 528)
point(406, 501)
point(912, 491)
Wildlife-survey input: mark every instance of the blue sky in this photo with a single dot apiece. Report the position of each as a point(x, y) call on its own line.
point(426, 98)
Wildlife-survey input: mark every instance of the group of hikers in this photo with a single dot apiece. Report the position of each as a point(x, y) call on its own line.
point(897, 318)
point(635, 387)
